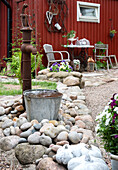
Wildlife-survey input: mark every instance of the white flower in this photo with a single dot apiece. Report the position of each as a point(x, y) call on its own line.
point(106, 108)
point(107, 122)
point(108, 115)
point(116, 96)
point(116, 109)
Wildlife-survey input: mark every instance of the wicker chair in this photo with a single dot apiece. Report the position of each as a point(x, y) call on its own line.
point(50, 54)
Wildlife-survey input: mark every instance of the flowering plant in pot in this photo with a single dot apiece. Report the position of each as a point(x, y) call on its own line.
point(112, 33)
point(62, 66)
point(107, 127)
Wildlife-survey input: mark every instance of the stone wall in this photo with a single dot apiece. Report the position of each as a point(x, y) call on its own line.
point(69, 78)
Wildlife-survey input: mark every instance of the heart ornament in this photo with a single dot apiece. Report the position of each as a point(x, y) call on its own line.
point(49, 16)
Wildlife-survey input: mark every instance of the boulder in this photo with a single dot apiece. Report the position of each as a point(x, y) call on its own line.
point(71, 81)
point(27, 154)
point(9, 142)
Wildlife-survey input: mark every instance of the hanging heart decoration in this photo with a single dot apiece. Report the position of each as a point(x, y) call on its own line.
point(49, 16)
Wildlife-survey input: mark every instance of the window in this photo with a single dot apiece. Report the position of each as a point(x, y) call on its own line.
point(88, 12)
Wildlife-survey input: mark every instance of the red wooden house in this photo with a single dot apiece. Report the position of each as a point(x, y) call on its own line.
point(91, 19)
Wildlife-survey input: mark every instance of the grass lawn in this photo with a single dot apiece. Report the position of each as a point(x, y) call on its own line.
point(13, 88)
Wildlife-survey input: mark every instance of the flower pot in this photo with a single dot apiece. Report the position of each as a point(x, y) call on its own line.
point(111, 35)
point(114, 161)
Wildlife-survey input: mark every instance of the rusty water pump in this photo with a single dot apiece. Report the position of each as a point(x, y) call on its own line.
point(26, 49)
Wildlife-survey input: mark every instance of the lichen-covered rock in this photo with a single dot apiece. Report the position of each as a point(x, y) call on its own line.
point(27, 154)
point(9, 142)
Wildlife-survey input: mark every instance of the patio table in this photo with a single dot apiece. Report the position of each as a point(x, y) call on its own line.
point(83, 55)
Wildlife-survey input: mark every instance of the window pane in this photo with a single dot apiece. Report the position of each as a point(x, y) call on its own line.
point(87, 11)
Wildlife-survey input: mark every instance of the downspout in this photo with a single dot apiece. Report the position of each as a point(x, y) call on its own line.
point(9, 29)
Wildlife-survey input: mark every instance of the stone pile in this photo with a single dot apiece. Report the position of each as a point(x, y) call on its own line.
point(42, 142)
point(69, 78)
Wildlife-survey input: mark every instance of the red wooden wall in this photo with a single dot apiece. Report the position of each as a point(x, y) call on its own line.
point(92, 31)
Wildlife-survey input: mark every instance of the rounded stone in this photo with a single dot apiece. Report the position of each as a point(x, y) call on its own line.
point(63, 136)
point(55, 147)
point(68, 127)
point(23, 115)
point(37, 126)
point(25, 126)
point(7, 110)
point(19, 108)
point(22, 140)
point(72, 119)
point(2, 111)
point(80, 124)
point(21, 121)
point(62, 143)
point(6, 131)
point(7, 123)
point(18, 131)
point(45, 127)
point(45, 140)
point(34, 138)
point(44, 121)
point(2, 117)
point(14, 111)
point(26, 134)
point(74, 137)
point(33, 122)
point(12, 130)
point(54, 122)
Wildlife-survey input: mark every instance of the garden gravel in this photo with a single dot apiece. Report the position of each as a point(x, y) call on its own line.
point(98, 97)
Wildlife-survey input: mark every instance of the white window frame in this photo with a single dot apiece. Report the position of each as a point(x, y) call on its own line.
point(88, 18)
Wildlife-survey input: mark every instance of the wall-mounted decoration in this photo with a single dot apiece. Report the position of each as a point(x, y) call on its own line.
point(55, 16)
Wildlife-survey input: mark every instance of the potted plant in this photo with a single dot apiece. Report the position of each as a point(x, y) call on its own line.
point(112, 33)
point(70, 34)
point(107, 129)
point(76, 64)
point(62, 66)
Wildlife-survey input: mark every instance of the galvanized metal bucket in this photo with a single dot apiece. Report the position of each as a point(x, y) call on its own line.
point(42, 104)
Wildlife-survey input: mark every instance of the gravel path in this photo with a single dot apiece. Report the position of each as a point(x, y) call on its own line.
point(98, 97)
